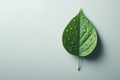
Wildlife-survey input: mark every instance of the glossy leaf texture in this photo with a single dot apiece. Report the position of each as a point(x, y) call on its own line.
point(79, 37)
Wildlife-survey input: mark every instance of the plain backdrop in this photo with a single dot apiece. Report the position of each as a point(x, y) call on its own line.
point(31, 46)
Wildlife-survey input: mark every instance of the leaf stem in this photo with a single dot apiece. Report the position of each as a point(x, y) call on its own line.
point(79, 64)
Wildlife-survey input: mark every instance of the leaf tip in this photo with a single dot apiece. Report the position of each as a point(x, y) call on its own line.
point(81, 11)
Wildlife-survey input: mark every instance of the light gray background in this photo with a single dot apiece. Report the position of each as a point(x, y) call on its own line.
point(30, 40)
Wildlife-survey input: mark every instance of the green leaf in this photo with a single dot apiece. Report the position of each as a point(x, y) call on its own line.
point(79, 37)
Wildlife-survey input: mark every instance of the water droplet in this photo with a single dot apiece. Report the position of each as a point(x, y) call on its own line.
point(90, 32)
point(66, 30)
point(94, 35)
point(84, 30)
point(91, 39)
point(74, 20)
point(87, 51)
point(68, 38)
point(70, 49)
point(82, 16)
point(71, 28)
point(90, 28)
point(87, 21)
point(64, 41)
point(71, 42)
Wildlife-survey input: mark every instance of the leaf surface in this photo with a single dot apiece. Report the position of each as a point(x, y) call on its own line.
point(79, 37)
